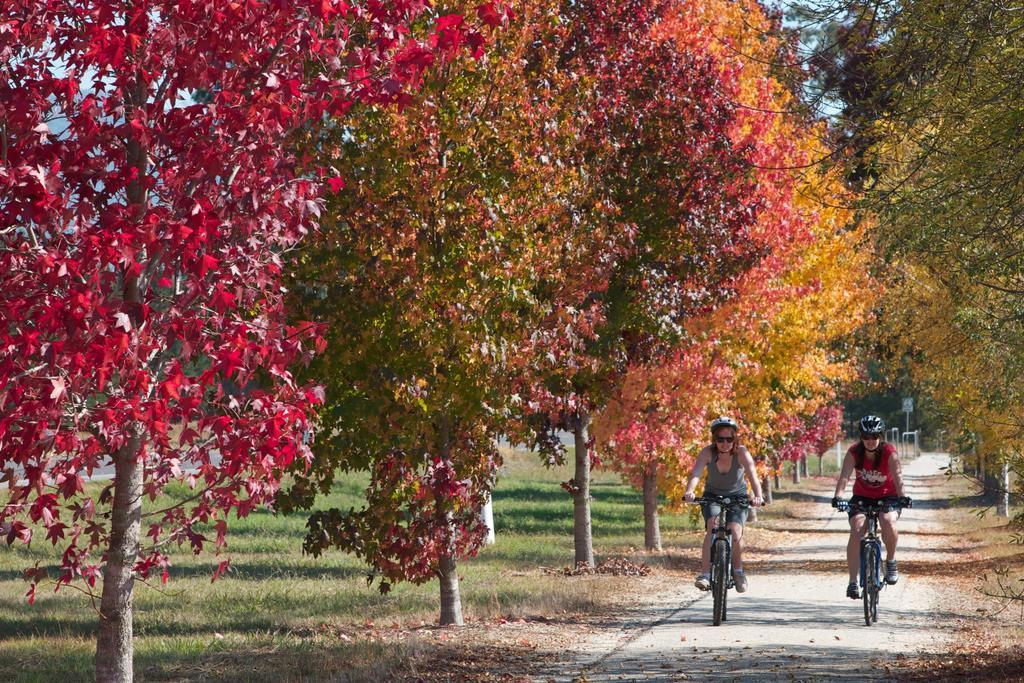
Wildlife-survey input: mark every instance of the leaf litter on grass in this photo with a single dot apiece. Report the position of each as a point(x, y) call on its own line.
point(614, 566)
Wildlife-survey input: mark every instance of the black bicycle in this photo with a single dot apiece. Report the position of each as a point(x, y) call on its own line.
point(871, 582)
point(721, 551)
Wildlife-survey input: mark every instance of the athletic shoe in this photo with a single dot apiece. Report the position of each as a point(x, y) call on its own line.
point(892, 573)
point(852, 591)
point(739, 577)
point(703, 582)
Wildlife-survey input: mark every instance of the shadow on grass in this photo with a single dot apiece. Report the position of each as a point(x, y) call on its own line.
point(311, 657)
point(533, 492)
point(222, 660)
point(239, 571)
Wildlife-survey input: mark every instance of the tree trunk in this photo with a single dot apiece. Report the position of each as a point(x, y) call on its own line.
point(766, 489)
point(821, 467)
point(803, 466)
point(451, 603)
point(114, 644)
point(652, 529)
point(114, 641)
point(582, 536)
point(796, 471)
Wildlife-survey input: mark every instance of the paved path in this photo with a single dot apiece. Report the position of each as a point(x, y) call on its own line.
point(794, 623)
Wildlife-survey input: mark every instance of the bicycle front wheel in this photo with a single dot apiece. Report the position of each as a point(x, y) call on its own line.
point(868, 575)
point(719, 579)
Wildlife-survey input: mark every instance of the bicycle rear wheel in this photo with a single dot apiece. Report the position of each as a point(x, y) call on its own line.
point(719, 579)
point(867, 568)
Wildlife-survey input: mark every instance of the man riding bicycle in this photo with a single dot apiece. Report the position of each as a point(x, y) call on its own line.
point(878, 477)
point(727, 463)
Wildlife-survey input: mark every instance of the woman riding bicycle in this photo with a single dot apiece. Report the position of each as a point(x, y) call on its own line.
point(878, 477)
point(727, 462)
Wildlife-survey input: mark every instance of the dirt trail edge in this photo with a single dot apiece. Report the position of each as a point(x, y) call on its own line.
point(795, 622)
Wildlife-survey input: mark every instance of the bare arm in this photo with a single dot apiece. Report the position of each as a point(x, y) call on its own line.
point(697, 470)
point(897, 473)
point(844, 474)
point(747, 460)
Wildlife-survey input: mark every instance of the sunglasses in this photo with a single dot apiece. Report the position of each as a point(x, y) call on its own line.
point(871, 437)
point(724, 439)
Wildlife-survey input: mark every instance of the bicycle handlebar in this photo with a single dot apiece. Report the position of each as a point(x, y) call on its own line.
point(728, 501)
point(879, 505)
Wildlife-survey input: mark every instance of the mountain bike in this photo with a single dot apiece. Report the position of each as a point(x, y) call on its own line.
point(871, 582)
point(721, 551)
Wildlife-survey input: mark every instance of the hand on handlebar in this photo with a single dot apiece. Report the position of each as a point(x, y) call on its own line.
point(689, 496)
point(905, 502)
point(837, 503)
point(757, 501)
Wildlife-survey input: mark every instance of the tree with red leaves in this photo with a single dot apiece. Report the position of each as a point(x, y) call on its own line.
point(148, 202)
point(679, 206)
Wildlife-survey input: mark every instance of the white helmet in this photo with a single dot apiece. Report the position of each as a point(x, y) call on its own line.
point(723, 421)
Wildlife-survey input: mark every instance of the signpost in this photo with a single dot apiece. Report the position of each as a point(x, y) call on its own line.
point(908, 408)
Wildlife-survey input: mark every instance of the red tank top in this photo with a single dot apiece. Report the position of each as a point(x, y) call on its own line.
point(874, 480)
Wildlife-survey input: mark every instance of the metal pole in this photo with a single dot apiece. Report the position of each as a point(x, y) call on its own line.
point(839, 453)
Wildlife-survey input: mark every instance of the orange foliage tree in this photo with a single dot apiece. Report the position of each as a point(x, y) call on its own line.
point(771, 353)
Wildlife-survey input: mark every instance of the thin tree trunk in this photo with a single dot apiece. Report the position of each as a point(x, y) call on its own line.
point(796, 471)
point(114, 639)
point(652, 528)
point(766, 489)
point(803, 466)
point(582, 533)
point(114, 644)
point(451, 602)
point(821, 466)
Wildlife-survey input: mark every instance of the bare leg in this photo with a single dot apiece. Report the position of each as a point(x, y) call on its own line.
point(853, 546)
point(889, 534)
point(705, 550)
point(737, 545)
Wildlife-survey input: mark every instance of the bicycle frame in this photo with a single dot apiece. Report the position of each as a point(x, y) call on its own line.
point(721, 551)
point(871, 582)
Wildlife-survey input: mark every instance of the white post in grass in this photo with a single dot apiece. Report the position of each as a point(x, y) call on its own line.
point(839, 453)
point(1003, 507)
point(488, 516)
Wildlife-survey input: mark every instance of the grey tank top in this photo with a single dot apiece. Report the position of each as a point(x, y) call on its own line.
point(728, 484)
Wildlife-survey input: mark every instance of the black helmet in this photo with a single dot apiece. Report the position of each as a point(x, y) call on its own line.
point(871, 425)
point(723, 421)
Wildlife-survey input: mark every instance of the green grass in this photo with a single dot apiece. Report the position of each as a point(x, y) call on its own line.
point(276, 608)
